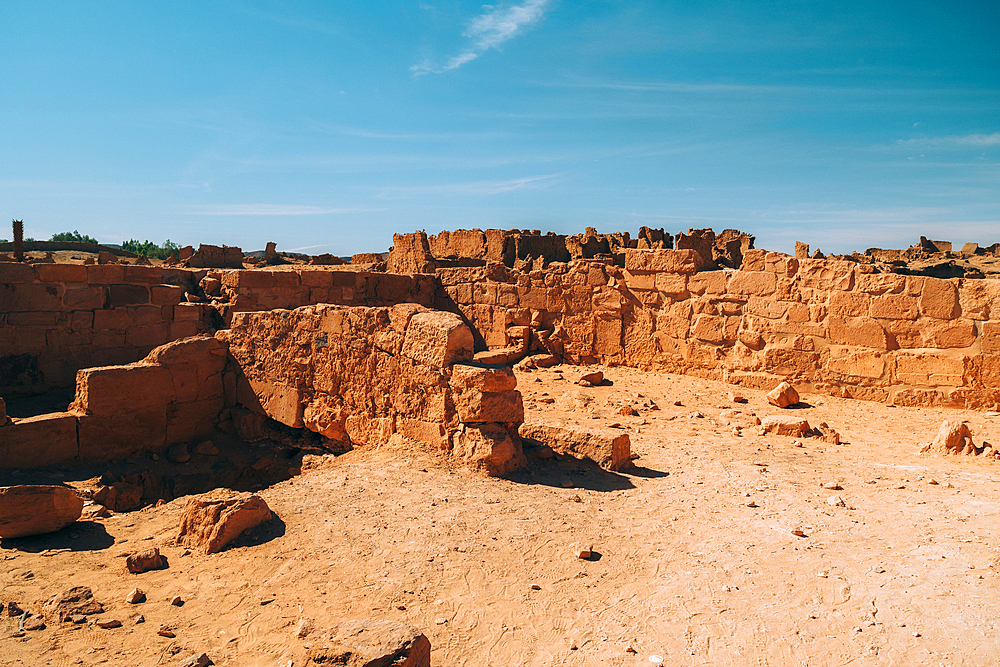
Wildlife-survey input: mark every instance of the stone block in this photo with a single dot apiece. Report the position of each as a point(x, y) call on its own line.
point(438, 339)
point(849, 304)
point(142, 275)
point(490, 448)
point(34, 442)
point(166, 295)
point(127, 295)
point(862, 331)
point(112, 390)
point(939, 298)
point(482, 378)
point(608, 448)
point(786, 425)
point(669, 261)
point(945, 334)
point(279, 402)
point(894, 307)
point(929, 369)
point(990, 337)
point(856, 363)
point(37, 509)
point(484, 407)
point(16, 272)
point(211, 521)
point(84, 298)
point(747, 283)
point(105, 274)
point(114, 436)
point(60, 273)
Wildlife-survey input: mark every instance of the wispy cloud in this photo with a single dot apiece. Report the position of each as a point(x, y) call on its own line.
point(266, 209)
point(471, 188)
point(968, 140)
point(489, 31)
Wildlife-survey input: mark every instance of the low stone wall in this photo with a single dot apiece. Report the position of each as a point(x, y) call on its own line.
point(174, 395)
point(829, 326)
point(58, 318)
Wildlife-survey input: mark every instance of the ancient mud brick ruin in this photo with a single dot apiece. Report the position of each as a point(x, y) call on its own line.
point(419, 346)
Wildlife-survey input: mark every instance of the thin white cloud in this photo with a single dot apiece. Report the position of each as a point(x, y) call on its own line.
point(969, 140)
point(472, 188)
point(266, 209)
point(489, 31)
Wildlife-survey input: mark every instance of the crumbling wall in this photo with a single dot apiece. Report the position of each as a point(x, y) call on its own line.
point(58, 318)
point(832, 326)
point(172, 396)
point(360, 375)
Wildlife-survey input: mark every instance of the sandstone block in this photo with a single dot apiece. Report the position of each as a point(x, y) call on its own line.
point(373, 643)
point(61, 273)
point(482, 378)
point(482, 407)
point(785, 425)
point(37, 509)
point(213, 520)
point(753, 283)
point(954, 437)
point(438, 339)
point(608, 448)
point(668, 261)
point(939, 298)
point(489, 447)
point(783, 395)
point(862, 331)
point(34, 442)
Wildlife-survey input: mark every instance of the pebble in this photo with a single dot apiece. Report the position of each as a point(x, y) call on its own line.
point(196, 660)
point(177, 601)
point(567, 484)
point(932, 481)
point(109, 624)
point(140, 619)
point(440, 620)
point(34, 623)
point(135, 596)
point(166, 632)
point(78, 618)
point(583, 553)
point(535, 587)
point(751, 503)
point(832, 486)
point(836, 501)
point(798, 532)
point(304, 628)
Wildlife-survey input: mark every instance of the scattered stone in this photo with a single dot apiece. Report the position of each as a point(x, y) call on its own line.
point(135, 596)
point(785, 425)
point(144, 561)
point(932, 481)
point(582, 552)
point(206, 448)
point(213, 520)
point(109, 624)
point(751, 503)
point(832, 486)
point(37, 509)
point(836, 501)
point(798, 532)
point(535, 587)
point(14, 609)
point(177, 601)
point(440, 620)
point(78, 600)
point(607, 448)
point(737, 398)
point(140, 619)
point(628, 411)
point(179, 453)
point(196, 660)
point(34, 623)
point(164, 631)
point(783, 395)
point(953, 438)
point(591, 378)
point(373, 642)
point(304, 627)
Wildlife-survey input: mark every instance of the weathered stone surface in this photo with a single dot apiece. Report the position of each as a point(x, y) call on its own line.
point(78, 600)
point(608, 448)
point(37, 509)
point(954, 437)
point(783, 395)
point(144, 561)
point(373, 643)
point(484, 378)
point(785, 425)
point(213, 520)
point(489, 447)
point(438, 339)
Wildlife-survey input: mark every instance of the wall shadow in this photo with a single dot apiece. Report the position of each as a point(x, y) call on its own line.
point(583, 474)
point(271, 529)
point(78, 536)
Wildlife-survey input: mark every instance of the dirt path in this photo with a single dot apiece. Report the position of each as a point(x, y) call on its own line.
point(685, 569)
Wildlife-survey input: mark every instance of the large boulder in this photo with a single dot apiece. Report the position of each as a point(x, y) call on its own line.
point(953, 438)
point(783, 395)
point(37, 509)
point(373, 643)
point(785, 425)
point(607, 448)
point(213, 520)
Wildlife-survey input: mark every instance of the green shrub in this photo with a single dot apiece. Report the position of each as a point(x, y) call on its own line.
point(73, 237)
point(150, 249)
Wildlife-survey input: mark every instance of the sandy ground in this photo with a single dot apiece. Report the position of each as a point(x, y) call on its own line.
point(684, 568)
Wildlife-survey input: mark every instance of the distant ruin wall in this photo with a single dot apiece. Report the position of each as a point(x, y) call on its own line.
point(830, 326)
point(58, 318)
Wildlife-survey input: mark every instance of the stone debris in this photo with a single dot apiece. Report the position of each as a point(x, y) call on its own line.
point(196, 660)
point(144, 561)
point(836, 501)
point(373, 642)
point(78, 600)
point(785, 425)
point(34, 623)
point(213, 520)
point(304, 627)
point(582, 552)
point(590, 379)
point(832, 486)
point(135, 596)
point(783, 396)
point(109, 624)
point(953, 438)
point(608, 448)
point(37, 509)
point(167, 632)
point(206, 448)
point(177, 601)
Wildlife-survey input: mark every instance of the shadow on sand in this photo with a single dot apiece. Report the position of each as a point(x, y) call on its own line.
point(79, 536)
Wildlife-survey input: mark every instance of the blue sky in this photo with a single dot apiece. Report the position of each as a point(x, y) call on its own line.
point(327, 126)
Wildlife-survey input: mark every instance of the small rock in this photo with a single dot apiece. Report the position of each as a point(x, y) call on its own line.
point(832, 486)
point(751, 503)
point(304, 627)
point(34, 623)
point(166, 632)
point(737, 398)
point(440, 620)
point(932, 481)
point(535, 587)
point(78, 618)
point(836, 501)
point(591, 378)
point(140, 619)
point(109, 624)
point(798, 532)
point(144, 561)
point(135, 596)
point(196, 660)
point(177, 601)
point(783, 395)
point(628, 411)
point(567, 484)
point(178, 453)
point(214, 519)
point(581, 552)
point(206, 448)
point(14, 609)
